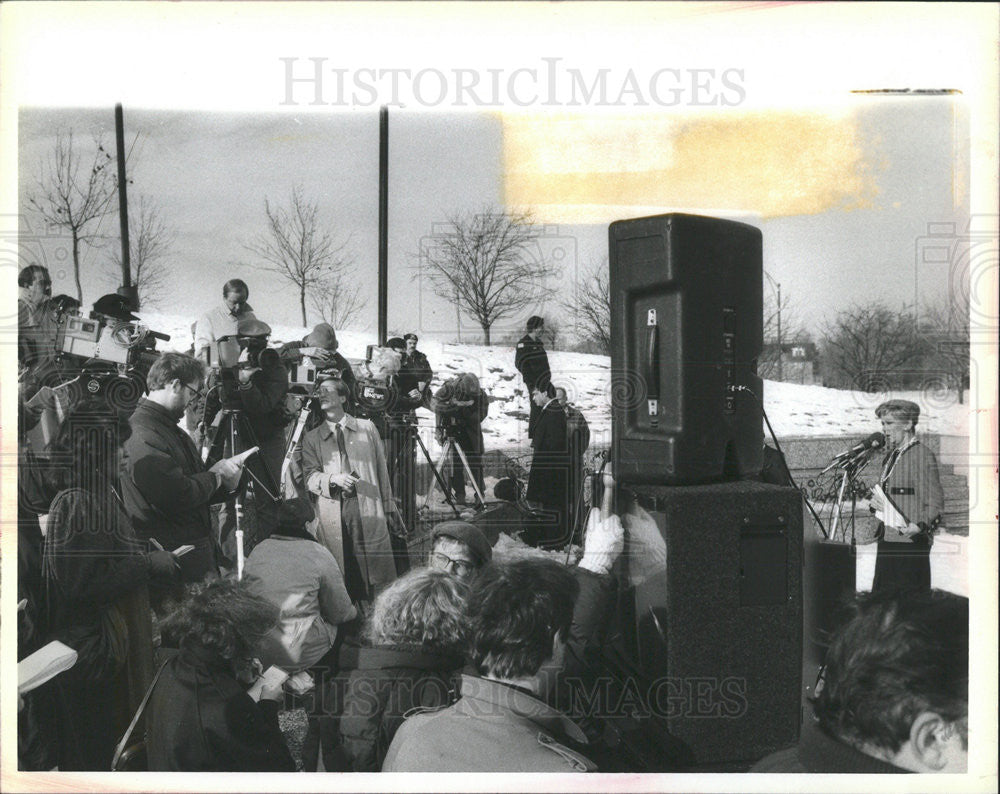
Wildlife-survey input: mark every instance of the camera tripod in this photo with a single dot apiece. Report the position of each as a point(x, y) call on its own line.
point(450, 445)
point(233, 435)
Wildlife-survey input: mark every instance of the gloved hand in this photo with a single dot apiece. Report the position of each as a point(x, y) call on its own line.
point(163, 566)
point(604, 543)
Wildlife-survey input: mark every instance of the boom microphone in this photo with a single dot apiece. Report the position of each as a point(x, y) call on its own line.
point(874, 441)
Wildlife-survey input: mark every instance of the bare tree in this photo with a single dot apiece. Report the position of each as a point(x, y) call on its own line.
point(297, 247)
point(150, 241)
point(870, 346)
point(489, 263)
point(946, 326)
point(782, 327)
point(338, 301)
point(589, 304)
point(73, 191)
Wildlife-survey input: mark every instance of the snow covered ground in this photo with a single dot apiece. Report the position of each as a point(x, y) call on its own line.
point(794, 410)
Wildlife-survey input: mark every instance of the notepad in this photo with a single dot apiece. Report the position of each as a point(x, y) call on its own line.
point(44, 665)
point(272, 676)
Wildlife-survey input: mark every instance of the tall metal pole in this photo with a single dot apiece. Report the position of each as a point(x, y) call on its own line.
point(126, 289)
point(383, 223)
point(780, 350)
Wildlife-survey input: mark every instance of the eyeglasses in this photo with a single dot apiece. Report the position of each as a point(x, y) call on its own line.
point(198, 393)
point(446, 563)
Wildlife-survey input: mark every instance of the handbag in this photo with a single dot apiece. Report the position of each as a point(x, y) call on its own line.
point(132, 757)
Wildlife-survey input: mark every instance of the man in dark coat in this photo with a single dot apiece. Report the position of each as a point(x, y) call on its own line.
point(894, 694)
point(415, 371)
point(578, 435)
point(166, 486)
point(549, 478)
point(532, 362)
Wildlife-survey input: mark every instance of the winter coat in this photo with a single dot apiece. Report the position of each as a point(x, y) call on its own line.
point(384, 683)
point(303, 579)
point(200, 719)
point(532, 362)
point(320, 459)
point(492, 728)
point(548, 480)
point(167, 489)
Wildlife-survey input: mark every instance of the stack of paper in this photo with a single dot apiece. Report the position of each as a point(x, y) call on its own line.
point(43, 665)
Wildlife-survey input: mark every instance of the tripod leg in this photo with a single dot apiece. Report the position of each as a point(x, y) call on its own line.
point(437, 478)
point(468, 470)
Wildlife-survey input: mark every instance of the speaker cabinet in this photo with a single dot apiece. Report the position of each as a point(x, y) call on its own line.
point(717, 632)
point(686, 332)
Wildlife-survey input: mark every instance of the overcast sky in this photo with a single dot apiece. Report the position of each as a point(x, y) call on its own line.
point(842, 200)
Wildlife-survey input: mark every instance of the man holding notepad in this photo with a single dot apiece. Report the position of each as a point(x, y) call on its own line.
point(166, 487)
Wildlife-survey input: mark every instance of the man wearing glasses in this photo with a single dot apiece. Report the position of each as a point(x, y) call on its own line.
point(460, 548)
point(166, 487)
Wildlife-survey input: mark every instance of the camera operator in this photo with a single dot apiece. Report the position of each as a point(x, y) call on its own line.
point(262, 383)
point(461, 406)
point(320, 348)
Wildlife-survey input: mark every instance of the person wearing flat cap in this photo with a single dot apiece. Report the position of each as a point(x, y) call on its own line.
point(460, 548)
point(911, 482)
point(320, 347)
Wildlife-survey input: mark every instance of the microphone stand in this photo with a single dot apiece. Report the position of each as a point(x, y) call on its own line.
point(850, 466)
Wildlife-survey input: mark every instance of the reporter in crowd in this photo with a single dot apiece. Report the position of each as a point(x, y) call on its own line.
point(297, 574)
point(344, 466)
point(320, 347)
point(460, 548)
point(519, 618)
point(909, 478)
point(200, 717)
point(95, 576)
point(166, 487)
point(578, 440)
point(461, 405)
point(894, 692)
point(414, 648)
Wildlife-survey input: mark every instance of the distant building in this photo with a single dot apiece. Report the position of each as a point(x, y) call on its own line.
point(799, 362)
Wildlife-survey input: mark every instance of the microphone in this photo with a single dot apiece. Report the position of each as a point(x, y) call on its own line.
point(874, 441)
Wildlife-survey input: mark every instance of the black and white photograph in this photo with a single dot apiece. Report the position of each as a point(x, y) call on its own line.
point(498, 389)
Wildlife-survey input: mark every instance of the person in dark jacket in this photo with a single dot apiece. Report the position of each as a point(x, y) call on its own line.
point(415, 371)
point(578, 438)
point(95, 577)
point(894, 692)
point(415, 647)
point(532, 362)
point(911, 480)
point(461, 406)
point(200, 717)
point(166, 487)
point(549, 478)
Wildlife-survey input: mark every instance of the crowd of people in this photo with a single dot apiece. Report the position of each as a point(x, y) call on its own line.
point(180, 588)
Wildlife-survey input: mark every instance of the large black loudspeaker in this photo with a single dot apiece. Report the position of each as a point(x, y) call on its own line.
point(717, 632)
point(686, 330)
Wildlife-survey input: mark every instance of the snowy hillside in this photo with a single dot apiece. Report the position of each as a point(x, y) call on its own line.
point(794, 410)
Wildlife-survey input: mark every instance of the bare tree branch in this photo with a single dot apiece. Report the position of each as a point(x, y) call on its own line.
point(589, 304)
point(338, 301)
point(298, 248)
point(150, 241)
point(489, 263)
point(71, 194)
point(946, 326)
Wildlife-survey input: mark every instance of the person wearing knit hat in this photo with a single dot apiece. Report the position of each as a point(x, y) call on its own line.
point(320, 347)
point(460, 548)
point(910, 480)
